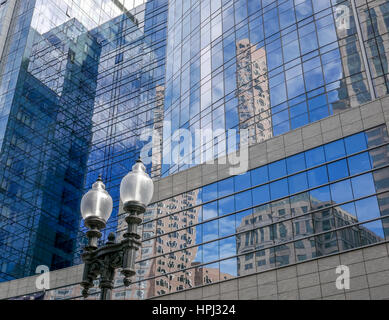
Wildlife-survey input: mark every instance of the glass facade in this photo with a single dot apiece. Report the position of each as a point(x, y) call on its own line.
point(82, 81)
point(323, 201)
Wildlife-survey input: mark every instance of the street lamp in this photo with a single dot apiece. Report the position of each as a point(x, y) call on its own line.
point(136, 192)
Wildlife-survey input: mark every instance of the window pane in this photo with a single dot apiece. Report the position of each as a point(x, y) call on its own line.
point(277, 170)
point(261, 195)
point(226, 205)
point(338, 170)
point(341, 192)
point(210, 210)
point(279, 189)
point(335, 150)
point(210, 231)
point(209, 192)
point(298, 183)
point(359, 163)
point(367, 209)
point(242, 182)
point(227, 226)
point(372, 232)
point(296, 163)
point(317, 177)
point(226, 187)
point(243, 200)
point(315, 157)
point(355, 143)
point(259, 176)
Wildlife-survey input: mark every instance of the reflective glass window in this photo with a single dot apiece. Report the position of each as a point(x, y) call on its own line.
point(359, 163)
point(261, 195)
point(317, 177)
point(355, 143)
point(363, 185)
point(367, 209)
point(338, 170)
point(341, 191)
point(226, 205)
point(277, 170)
point(335, 150)
point(210, 210)
point(279, 189)
point(315, 157)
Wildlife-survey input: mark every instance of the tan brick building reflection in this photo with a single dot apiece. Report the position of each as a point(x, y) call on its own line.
point(256, 233)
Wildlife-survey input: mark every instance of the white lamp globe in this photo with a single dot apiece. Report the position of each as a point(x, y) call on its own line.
point(137, 188)
point(96, 205)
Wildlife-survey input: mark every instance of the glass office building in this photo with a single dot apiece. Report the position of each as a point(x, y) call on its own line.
point(81, 81)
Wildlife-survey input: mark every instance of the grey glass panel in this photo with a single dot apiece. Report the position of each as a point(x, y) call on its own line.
point(243, 220)
point(265, 259)
point(300, 204)
point(326, 244)
point(262, 215)
point(381, 179)
point(285, 255)
point(349, 238)
point(324, 220)
point(379, 157)
point(211, 252)
point(383, 201)
point(345, 215)
point(280, 209)
point(377, 136)
point(210, 231)
point(363, 185)
point(303, 226)
point(320, 197)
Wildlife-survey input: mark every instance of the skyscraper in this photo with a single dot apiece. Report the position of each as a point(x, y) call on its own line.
point(87, 88)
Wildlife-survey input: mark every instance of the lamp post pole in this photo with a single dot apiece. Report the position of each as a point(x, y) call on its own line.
point(136, 192)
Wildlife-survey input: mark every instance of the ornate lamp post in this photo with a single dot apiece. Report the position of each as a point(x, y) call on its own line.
point(136, 192)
